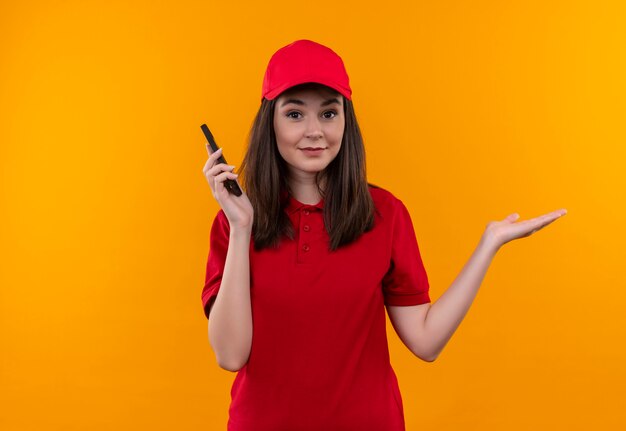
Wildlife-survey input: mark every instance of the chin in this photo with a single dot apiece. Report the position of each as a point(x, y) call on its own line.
point(313, 171)
point(310, 169)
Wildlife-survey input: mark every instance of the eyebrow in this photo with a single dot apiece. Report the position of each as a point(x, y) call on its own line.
point(300, 102)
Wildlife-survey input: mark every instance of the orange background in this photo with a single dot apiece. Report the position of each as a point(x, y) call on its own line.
point(470, 111)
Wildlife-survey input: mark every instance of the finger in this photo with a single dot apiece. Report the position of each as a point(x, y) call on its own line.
point(210, 169)
point(219, 180)
point(557, 213)
point(213, 171)
point(216, 154)
point(207, 165)
point(220, 167)
point(209, 149)
point(549, 218)
point(512, 217)
point(219, 186)
point(537, 224)
point(225, 176)
point(543, 221)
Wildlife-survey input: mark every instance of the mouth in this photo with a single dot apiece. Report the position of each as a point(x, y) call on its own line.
point(312, 151)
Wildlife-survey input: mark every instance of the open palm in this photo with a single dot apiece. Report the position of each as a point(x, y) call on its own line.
point(501, 232)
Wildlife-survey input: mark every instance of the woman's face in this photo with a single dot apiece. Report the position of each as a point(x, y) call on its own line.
point(308, 118)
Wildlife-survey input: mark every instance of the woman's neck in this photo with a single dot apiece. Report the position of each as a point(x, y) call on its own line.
point(305, 191)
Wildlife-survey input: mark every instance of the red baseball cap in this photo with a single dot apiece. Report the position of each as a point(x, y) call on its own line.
point(305, 61)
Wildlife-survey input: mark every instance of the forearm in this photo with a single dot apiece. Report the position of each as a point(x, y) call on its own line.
point(445, 315)
point(230, 318)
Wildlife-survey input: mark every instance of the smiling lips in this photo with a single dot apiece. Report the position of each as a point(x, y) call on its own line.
point(312, 151)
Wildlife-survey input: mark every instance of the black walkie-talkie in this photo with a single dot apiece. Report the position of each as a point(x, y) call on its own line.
point(230, 185)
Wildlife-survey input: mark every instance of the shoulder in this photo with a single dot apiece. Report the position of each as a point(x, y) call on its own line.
point(389, 206)
point(384, 200)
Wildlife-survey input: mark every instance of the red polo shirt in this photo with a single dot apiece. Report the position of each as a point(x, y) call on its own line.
point(319, 358)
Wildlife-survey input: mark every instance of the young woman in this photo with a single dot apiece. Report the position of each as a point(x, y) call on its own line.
point(302, 265)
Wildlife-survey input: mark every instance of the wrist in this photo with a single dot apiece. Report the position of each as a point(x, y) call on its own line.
point(238, 232)
point(489, 244)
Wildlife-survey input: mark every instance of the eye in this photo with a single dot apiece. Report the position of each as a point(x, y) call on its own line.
point(291, 114)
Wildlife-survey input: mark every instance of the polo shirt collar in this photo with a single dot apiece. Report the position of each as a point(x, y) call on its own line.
point(292, 205)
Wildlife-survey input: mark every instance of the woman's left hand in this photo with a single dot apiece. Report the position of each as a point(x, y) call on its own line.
point(499, 233)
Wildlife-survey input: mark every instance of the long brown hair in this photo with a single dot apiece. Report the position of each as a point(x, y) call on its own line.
point(348, 205)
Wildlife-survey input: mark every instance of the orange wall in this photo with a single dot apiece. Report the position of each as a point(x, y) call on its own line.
point(470, 111)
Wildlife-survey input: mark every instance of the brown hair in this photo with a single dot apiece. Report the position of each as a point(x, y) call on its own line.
point(348, 205)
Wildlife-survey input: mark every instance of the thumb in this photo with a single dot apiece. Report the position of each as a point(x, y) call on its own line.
point(512, 217)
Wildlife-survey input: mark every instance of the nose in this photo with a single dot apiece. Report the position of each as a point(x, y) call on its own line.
point(313, 128)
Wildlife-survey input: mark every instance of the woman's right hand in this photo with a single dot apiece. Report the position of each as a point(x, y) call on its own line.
point(237, 209)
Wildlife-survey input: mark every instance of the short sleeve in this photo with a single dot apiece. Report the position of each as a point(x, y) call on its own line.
point(218, 247)
point(406, 281)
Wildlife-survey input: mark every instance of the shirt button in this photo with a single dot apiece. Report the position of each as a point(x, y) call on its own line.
point(306, 228)
point(305, 247)
point(306, 212)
